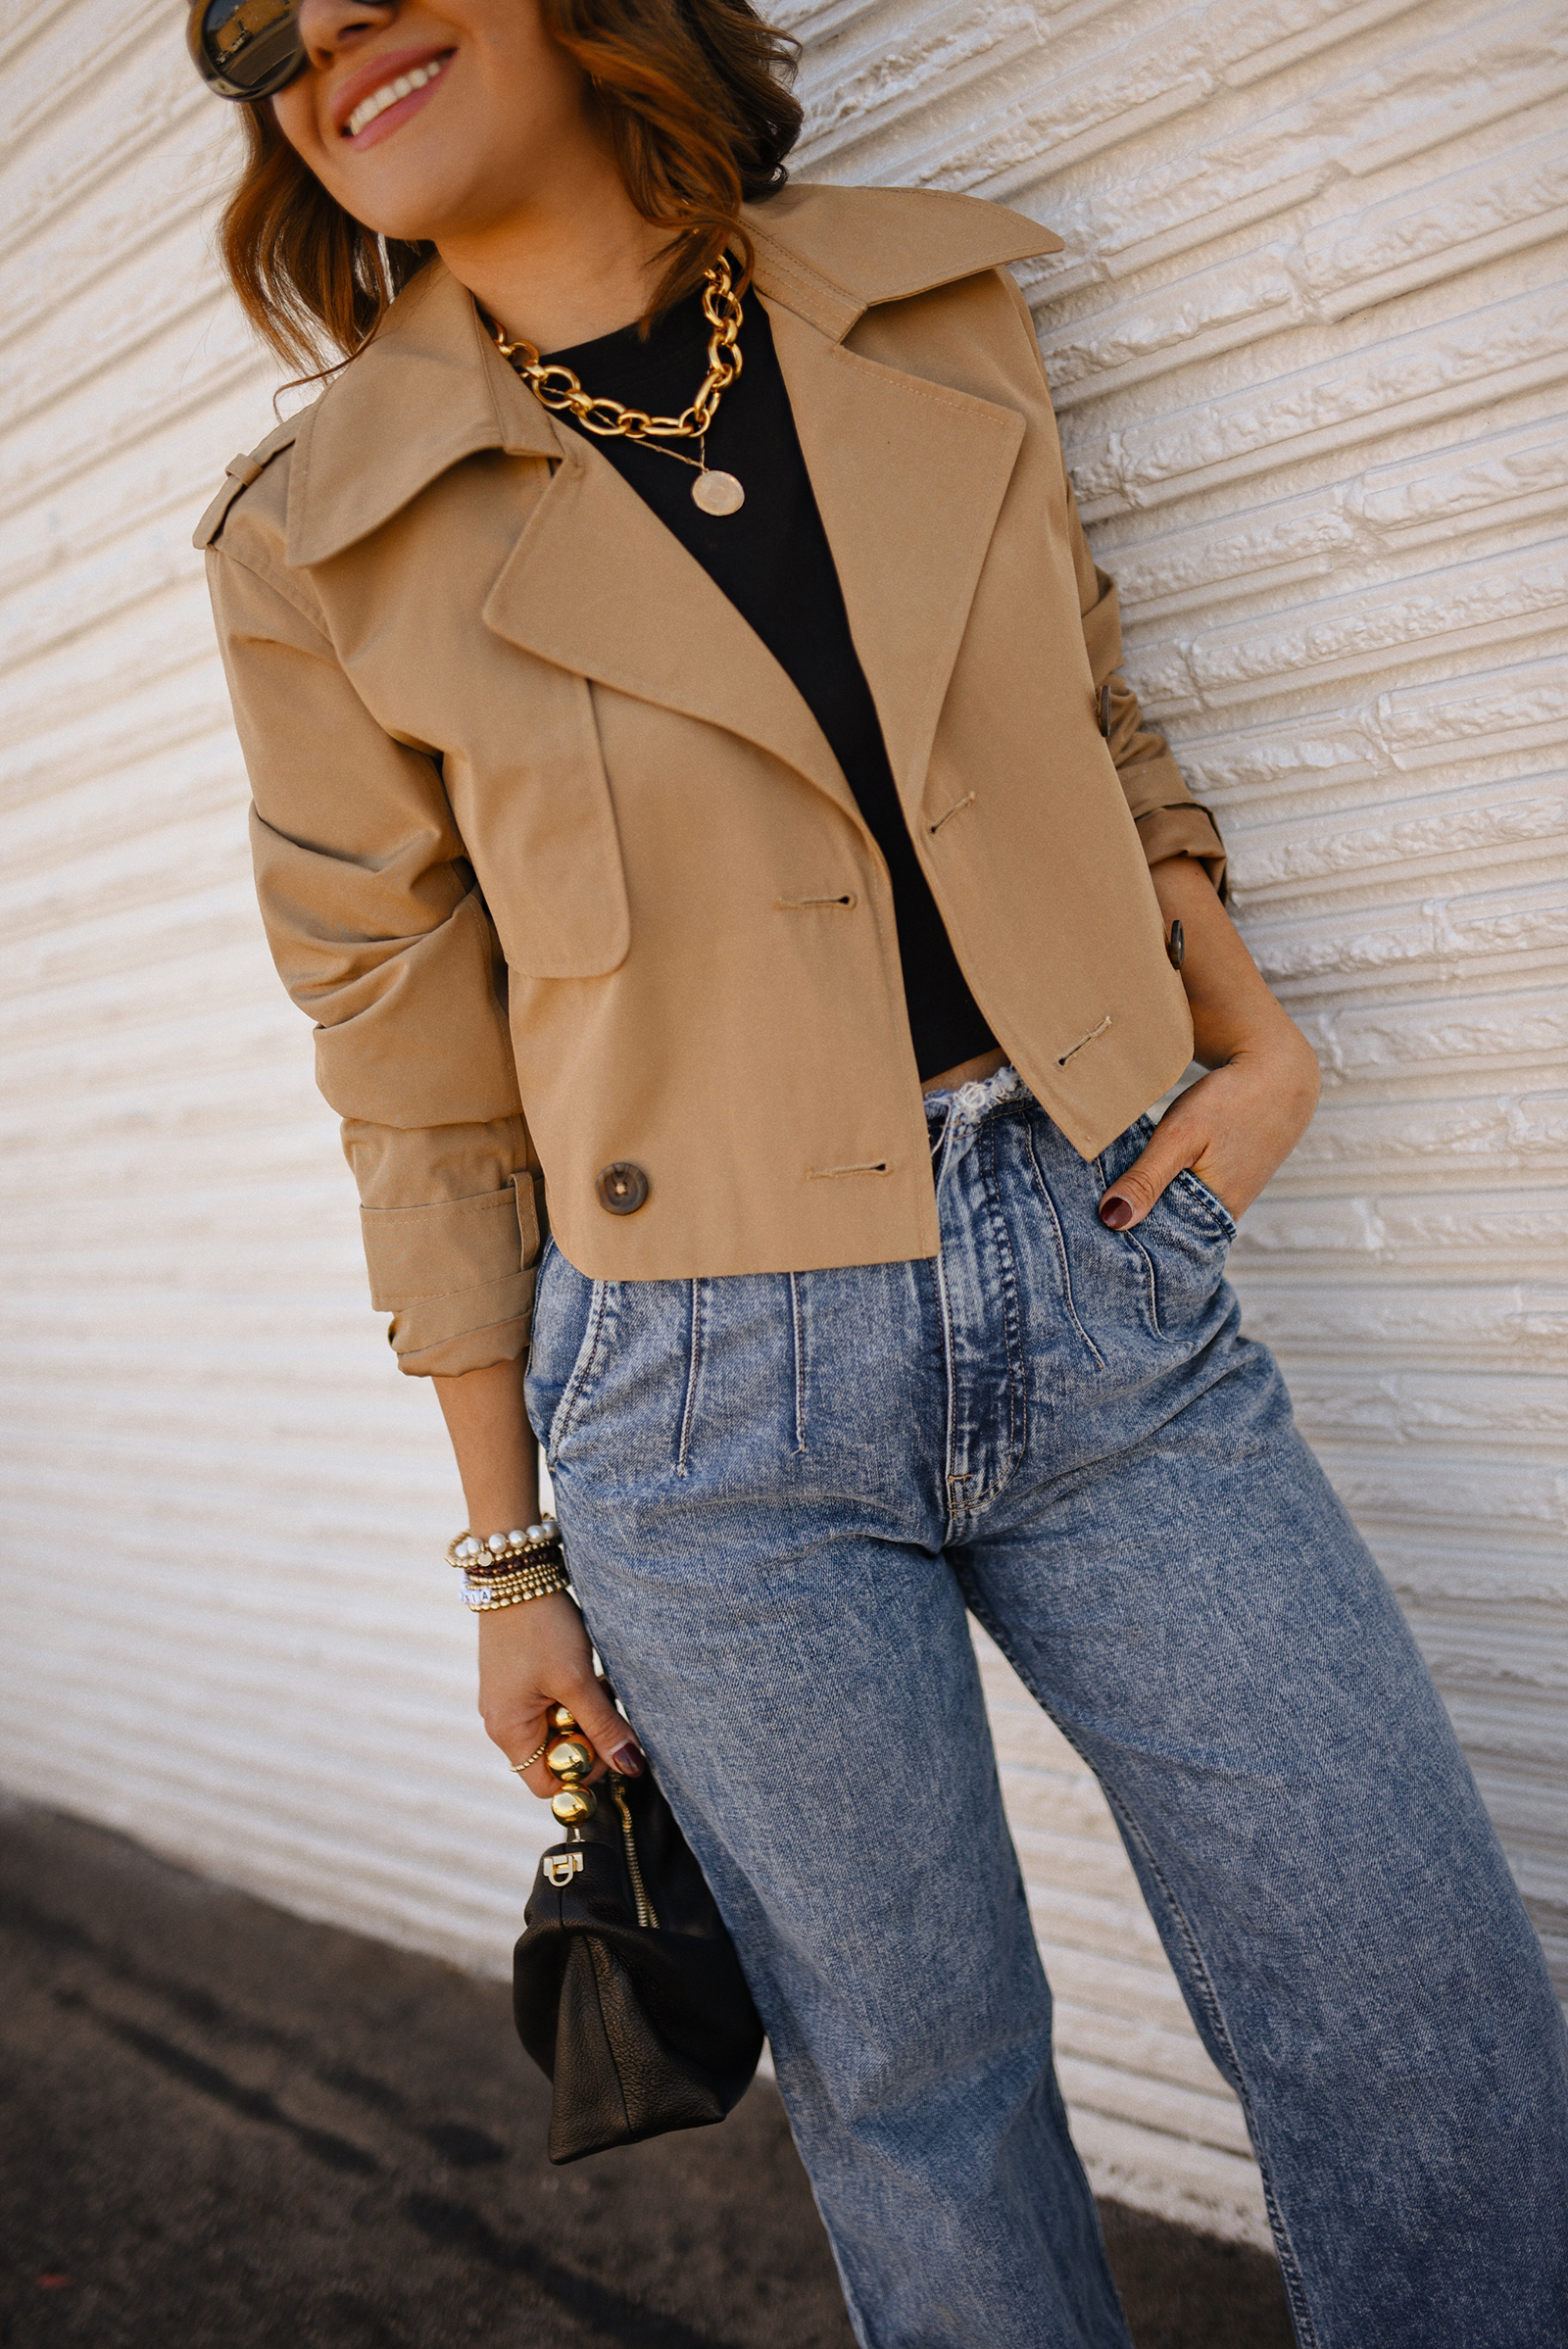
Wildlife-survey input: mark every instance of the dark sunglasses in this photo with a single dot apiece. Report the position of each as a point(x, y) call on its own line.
point(245, 48)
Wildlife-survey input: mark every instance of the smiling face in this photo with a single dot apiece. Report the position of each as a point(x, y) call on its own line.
point(433, 120)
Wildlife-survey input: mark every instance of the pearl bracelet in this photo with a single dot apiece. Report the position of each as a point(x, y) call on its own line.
point(509, 1569)
point(523, 1543)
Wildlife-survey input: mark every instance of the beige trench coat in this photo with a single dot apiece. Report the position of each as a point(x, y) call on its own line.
point(559, 859)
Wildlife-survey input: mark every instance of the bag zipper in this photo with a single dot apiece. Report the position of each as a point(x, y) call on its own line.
point(639, 1891)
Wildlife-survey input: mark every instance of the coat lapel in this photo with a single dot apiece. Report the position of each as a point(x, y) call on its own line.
point(910, 477)
point(597, 584)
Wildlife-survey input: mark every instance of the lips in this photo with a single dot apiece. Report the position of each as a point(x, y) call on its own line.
point(382, 83)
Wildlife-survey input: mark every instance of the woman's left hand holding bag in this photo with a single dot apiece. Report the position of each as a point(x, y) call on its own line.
point(537, 1655)
point(531, 1659)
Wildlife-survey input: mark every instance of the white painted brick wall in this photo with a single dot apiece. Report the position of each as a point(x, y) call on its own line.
point(1309, 342)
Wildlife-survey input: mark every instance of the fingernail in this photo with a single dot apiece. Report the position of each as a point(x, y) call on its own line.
point(1116, 1212)
point(628, 1760)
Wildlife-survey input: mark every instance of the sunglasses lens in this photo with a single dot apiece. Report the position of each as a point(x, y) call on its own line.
point(249, 48)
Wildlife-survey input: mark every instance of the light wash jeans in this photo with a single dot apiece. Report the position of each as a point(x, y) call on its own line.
point(780, 1493)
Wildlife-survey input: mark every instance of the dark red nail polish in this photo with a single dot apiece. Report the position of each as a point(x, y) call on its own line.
point(628, 1760)
point(1115, 1213)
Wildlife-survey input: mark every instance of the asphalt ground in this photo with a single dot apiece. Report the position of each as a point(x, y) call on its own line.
point(224, 2127)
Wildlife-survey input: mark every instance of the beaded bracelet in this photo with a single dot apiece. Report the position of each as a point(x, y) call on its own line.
point(539, 1562)
point(509, 1569)
point(529, 1569)
point(480, 1597)
point(470, 1555)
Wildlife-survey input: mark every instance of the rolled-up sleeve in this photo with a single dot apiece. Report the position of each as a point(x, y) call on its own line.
point(1170, 821)
point(455, 1275)
point(381, 934)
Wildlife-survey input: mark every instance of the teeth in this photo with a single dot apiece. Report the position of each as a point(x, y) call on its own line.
point(388, 95)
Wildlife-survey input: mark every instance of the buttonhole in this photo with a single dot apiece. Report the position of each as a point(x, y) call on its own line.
point(799, 905)
point(967, 801)
point(1065, 1056)
point(823, 1174)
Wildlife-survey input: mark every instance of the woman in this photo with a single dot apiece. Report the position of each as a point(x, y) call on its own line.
point(709, 800)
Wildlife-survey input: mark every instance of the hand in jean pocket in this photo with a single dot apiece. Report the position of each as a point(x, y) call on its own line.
point(1237, 1124)
point(1232, 1129)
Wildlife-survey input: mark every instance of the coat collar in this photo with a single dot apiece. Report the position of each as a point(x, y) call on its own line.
point(430, 390)
point(825, 254)
point(830, 254)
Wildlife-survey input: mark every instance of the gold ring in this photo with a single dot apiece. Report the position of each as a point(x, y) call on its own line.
point(520, 1767)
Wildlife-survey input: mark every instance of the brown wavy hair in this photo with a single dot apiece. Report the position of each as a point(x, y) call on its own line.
point(696, 100)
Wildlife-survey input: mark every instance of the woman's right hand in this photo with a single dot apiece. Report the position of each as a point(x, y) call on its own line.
point(532, 1657)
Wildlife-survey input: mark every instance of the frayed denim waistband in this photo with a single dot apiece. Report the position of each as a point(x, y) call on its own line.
point(968, 1104)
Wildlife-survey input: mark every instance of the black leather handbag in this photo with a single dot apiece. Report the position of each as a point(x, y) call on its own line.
point(627, 1988)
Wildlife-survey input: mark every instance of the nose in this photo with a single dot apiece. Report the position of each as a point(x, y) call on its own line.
point(330, 28)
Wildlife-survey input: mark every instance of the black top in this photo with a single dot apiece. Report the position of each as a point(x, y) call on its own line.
point(773, 561)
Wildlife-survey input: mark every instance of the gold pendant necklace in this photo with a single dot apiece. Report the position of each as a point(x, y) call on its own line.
point(714, 492)
point(558, 388)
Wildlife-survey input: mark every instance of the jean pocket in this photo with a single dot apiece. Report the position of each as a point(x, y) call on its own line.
point(1192, 1195)
point(569, 1316)
point(1182, 1242)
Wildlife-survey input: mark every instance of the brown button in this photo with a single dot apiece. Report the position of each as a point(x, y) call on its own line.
point(621, 1188)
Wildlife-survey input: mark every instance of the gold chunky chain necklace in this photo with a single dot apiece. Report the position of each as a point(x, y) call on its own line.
point(559, 388)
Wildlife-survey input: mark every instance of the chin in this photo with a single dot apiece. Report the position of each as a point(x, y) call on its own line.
point(412, 227)
point(415, 207)
point(408, 216)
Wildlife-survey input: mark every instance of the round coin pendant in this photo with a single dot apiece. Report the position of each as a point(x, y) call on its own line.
point(717, 493)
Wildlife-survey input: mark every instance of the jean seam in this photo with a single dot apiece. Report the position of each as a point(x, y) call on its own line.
point(694, 1365)
point(949, 1444)
point(1044, 1189)
point(944, 1367)
point(582, 1369)
point(966, 1508)
point(798, 1338)
point(1018, 1439)
point(950, 1416)
point(1290, 2265)
point(1151, 1285)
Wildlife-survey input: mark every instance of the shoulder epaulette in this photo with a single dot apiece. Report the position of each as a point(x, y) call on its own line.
point(240, 473)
